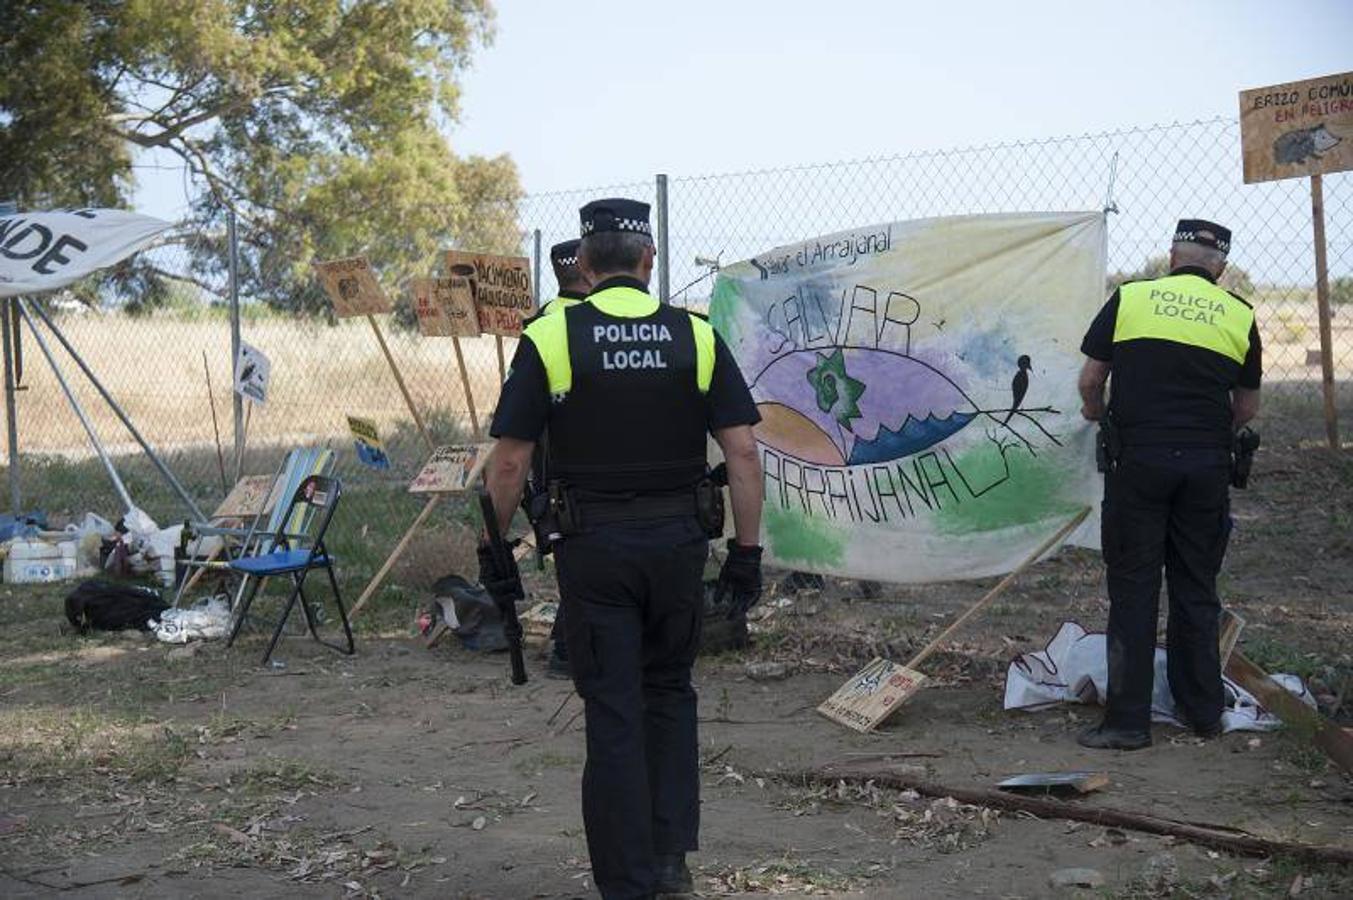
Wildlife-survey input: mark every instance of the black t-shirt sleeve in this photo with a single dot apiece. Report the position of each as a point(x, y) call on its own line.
point(1252, 371)
point(729, 401)
point(524, 407)
point(1098, 340)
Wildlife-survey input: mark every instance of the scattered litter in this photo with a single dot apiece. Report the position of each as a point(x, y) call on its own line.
point(1087, 878)
point(206, 620)
point(767, 671)
point(1062, 783)
point(1073, 668)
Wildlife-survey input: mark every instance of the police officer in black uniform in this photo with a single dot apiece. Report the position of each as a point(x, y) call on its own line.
point(629, 390)
point(573, 287)
point(1185, 361)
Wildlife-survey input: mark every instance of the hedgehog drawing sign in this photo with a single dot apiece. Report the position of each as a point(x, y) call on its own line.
point(917, 389)
point(1297, 129)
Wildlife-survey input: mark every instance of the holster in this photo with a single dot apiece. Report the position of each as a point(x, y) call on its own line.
point(709, 509)
point(1108, 445)
point(1242, 456)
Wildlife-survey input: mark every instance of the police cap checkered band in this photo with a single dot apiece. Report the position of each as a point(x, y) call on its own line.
point(565, 253)
point(1203, 233)
point(615, 214)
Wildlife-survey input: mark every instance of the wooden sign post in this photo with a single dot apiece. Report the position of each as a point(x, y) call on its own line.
point(450, 470)
point(445, 307)
point(1301, 129)
point(352, 286)
point(873, 693)
point(501, 288)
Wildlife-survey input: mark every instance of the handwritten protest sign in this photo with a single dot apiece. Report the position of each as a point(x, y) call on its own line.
point(252, 495)
point(501, 287)
point(872, 694)
point(352, 286)
point(1297, 129)
point(445, 307)
point(917, 389)
point(451, 468)
point(370, 450)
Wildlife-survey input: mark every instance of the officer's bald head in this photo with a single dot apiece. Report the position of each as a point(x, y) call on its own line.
point(606, 254)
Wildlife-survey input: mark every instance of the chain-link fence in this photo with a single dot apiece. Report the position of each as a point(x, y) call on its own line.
point(323, 372)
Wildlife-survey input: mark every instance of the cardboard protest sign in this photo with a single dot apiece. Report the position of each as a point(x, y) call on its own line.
point(252, 371)
point(917, 389)
point(352, 286)
point(252, 495)
point(445, 307)
point(451, 469)
point(1297, 129)
point(501, 286)
point(370, 450)
point(871, 695)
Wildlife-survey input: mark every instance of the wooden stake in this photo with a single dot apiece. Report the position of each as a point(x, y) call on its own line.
point(399, 380)
point(465, 382)
point(215, 428)
point(394, 556)
point(502, 363)
point(1304, 721)
point(995, 592)
point(1322, 302)
point(1221, 837)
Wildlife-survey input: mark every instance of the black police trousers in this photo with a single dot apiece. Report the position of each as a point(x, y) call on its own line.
point(1165, 506)
point(633, 604)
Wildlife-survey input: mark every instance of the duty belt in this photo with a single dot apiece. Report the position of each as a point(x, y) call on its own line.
point(1142, 436)
point(632, 509)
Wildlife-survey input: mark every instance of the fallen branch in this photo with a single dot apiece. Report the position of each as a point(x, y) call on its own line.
point(1220, 837)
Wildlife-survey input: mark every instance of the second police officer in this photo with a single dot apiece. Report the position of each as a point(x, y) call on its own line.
point(630, 389)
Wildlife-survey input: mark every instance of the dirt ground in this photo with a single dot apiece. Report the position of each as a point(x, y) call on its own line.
point(128, 768)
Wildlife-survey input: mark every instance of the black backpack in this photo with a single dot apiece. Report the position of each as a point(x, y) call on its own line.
point(109, 606)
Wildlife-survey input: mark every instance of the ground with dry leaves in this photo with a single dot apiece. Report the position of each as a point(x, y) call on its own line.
point(128, 768)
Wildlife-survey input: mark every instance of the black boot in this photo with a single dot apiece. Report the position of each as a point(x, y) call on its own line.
point(673, 877)
point(1102, 737)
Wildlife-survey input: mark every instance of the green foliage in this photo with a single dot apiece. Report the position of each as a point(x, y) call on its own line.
point(1341, 290)
point(319, 122)
point(1234, 278)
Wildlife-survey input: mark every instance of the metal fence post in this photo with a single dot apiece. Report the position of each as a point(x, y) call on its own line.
point(664, 269)
point(11, 409)
point(535, 259)
point(233, 251)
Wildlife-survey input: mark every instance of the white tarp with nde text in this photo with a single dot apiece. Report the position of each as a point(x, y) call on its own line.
point(43, 251)
point(917, 389)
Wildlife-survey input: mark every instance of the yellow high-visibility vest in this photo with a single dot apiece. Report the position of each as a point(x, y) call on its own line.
point(1185, 309)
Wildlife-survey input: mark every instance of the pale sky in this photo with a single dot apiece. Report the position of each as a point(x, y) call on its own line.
point(597, 92)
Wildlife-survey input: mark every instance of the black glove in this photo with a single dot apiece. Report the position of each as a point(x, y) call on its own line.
point(503, 582)
point(740, 577)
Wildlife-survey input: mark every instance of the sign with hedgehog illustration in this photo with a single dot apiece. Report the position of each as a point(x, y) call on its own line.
point(1297, 129)
point(917, 389)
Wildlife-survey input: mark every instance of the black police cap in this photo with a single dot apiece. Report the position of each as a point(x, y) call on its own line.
point(615, 214)
point(566, 253)
point(1203, 233)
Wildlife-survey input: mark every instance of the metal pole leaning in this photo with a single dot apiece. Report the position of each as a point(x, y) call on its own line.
point(664, 267)
point(79, 410)
point(11, 411)
point(238, 400)
point(126, 420)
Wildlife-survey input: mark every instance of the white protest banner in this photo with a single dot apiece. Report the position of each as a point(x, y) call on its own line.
point(917, 389)
point(252, 371)
point(42, 251)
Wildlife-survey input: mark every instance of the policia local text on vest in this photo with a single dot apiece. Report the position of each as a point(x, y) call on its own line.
point(1185, 361)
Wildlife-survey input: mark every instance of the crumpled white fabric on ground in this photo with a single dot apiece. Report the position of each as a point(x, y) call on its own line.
point(1074, 668)
point(206, 620)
